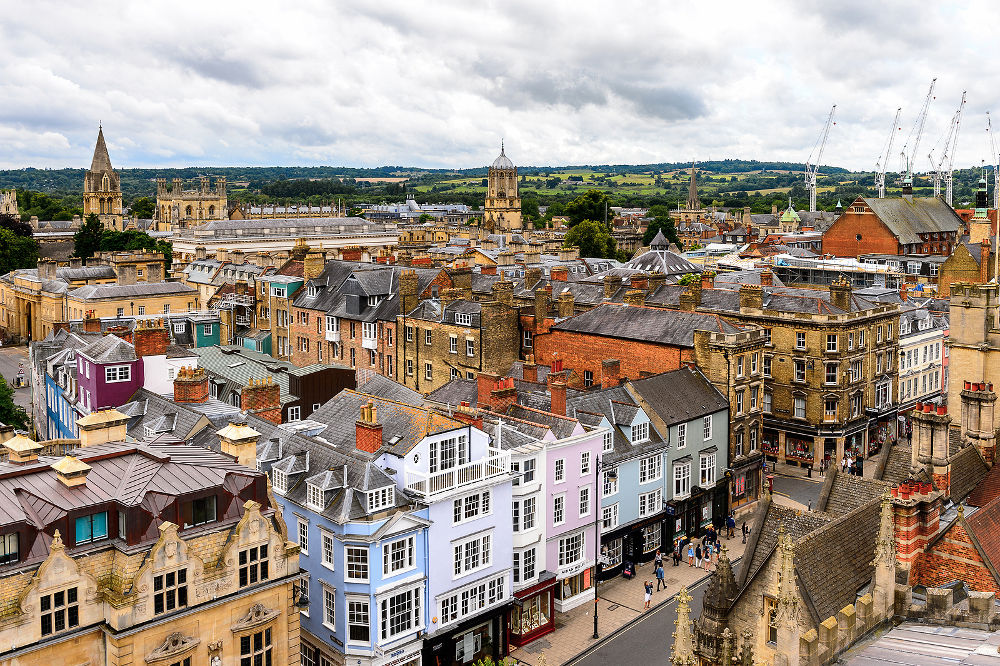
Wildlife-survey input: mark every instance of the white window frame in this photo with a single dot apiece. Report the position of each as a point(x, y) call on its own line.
point(650, 503)
point(651, 468)
point(706, 465)
point(295, 413)
point(558, 509)
point(559, 470)
point(356, 548)
point(303, 533)
point(585, 501)
point(329, 607)
point(706, 423)
point(682, 480)
point(610, 483)
point(327, 549)
point(568, 545)
point(609, 516)
point(681, 435)
point(584, 463)
point(608, 441)
point(639, 432)
point(410, 556)
point(463, 563)
point(114, 374)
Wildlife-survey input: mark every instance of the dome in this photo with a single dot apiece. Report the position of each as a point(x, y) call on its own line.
point(502, 162)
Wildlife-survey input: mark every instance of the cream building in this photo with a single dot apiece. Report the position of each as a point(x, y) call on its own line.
point(502, 211)
point(102, 191)
point(177, 208)
point(8, 203)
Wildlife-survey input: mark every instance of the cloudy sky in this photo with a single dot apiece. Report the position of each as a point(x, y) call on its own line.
point(438, 84)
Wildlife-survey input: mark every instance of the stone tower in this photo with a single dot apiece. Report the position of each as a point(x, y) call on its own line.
point(711, 628)
point(102, 192)
point(8, 203)
point(692, 202)
point(502, 211)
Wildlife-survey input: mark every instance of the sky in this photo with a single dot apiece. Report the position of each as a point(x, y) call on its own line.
point(440, 84)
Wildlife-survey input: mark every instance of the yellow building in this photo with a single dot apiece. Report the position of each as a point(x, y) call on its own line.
point(102, 192)
point(180, 208)
point(502, 211)
point(190, 565)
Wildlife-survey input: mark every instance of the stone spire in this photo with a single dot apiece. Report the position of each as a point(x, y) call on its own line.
point(682, 651)
point(712, 625)
point(885, 561)
point(787, 649)
point(692, 202)
point(728, 647)
point(746, 649)
point(101, 161)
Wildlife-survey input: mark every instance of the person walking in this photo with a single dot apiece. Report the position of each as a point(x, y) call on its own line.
point(649, 593)
point(843, 463)
point(697, 557)
point(691, 553)
point(730, 526)
point(677, 552)
point(659, 577)
point(745, 531)
point(658, 559)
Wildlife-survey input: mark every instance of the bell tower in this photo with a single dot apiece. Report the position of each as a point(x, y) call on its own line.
point(102, 192)
point(502, 211)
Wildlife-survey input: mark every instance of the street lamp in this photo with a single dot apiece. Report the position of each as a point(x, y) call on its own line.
point(612, 474)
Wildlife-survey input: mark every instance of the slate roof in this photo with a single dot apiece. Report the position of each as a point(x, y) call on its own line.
point(653, 325)
point(987, 490)
point(968, 469)
point(590, 407)
point(843, 493)
point(147, 408)
point(658, 258)
point(561, 426)
point(383, 387)
point(110, 349)
point(231, 368)
point(764, 534)
point(680, 395)
point(743, 277)
point(96, 291)
point(907, 218)
point(455, 392)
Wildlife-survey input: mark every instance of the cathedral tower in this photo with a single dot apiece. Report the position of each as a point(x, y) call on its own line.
point(502, 211)
point(102, 192)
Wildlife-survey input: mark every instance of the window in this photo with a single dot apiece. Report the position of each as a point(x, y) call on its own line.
point(121, 312)
point(253, 565)
point(707, 463)
point(356, 561)
point(753, 398)
point(650, 503)
point(651, 535)
point(471, 507)
point(831, 373)
point(9, 548)
point(681, 435)
point(472, 554)
point(453, 344)
point(800, 408)
point(450, 452)
point(861, 339)
point(682, 480)
point(398, 556)
point(739, 366)
point(294, 413)
point(608, 444)
point(831, 342)
point(640, 432)
point(800, 340)
point(206, 329)
point(399, 613)
point(303, 537)
point(856, 404)
point(279, 480)
point(170, 591)
point(830, 409)
point(166, 308)
point(560, 470)
point(614, 553)
point(584, 501)
point(381, 498)
point(738, 443)
point(650, 469)
point(428, 371)
point(529, 470)
point(202, 511)
point(142, 309)
point(326, 542)
point(585, 463)
point(767, 336)
point(768, 401)
point(409, 367)
point(753, 439)
point(559, 509)
point(609, 517)
point(463, 318)
point(878, 336)
point(117, 373)
point(753, 364)
point(329, 607)
point(882, 398)
point(856, 370)
point(470, 600)
point(800, 370)
point(358, 621)
point(409, 334)
point(526, 340)
point(523, 517)
point(771, 612)
point(428, 336)
point(571, 549)
point(610, 482)
point(588, 378)
point(92, 528)
point(470, 348)
point(739, 402)
point(878, 363)
point(766, 369)
point(59, 611)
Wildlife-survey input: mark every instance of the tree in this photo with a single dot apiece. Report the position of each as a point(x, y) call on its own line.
point(529, 209)
point(16, 251)
point(10, 413)
point(425, 217)
point(688, 278)
point(143, 208)
point(13, 223)
point(664, 224)
point(87, 240)
point(591, 205)
point(593, 239)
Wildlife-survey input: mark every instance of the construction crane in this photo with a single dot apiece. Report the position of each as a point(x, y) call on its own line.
point(883, 160)
point(907, 158)
point(943, 167)
point(812, 168)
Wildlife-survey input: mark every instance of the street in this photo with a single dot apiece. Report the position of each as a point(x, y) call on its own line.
point(10, 358)
point(798, 489)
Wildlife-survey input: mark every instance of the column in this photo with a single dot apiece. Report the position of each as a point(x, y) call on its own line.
point(781, 446)
point(840, 452)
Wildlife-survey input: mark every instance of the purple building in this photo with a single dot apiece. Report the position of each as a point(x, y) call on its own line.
point(108, 373)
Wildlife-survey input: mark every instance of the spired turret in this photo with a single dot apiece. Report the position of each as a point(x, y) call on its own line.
point(502, 211)
point(102, 192)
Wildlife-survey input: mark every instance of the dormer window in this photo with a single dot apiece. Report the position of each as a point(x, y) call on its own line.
point(314, 497)
point(374, 300)
point(311, 290)
point(640, 432)
point(279, 480)
point(463, 318)
point(381, 498)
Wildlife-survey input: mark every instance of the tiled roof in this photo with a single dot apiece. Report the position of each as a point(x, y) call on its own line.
point(661, 393)
point(455, 392)
point(967, 470)
point(907, 218)
point(987, 490)
point(109, 349)
point(984, 528)
point(644, 324)
point(843, 493)
point(383, 387)
point(96, 291)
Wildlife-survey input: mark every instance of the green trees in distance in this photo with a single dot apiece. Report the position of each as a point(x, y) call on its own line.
point(591, 205)
point(10, 413)
point(661, 222)
point(51, 206)
point(93, 237)
point(142, 208)
point(16, 251)
point(593, 239)
point(529, 209)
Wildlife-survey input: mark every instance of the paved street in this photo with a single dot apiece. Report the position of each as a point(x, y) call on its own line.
point(800, 490)
point(10, 357)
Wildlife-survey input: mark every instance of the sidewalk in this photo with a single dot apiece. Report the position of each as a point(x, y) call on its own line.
point(621, 602)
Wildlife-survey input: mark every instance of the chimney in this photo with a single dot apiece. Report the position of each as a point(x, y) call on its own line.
point(611, 370)
point(984, 260)
point(766, 278)
point(91, 324)
point(150, 338)
point(467, 414)
point(916, 517)
point(565, 304)
point(191, 385)
point(239, 441)
point(237, 257)
point(368, 430)
point(71, 471)
point(221, 255)
point(126, 274)
point(635, 297)
point(532, 256)
point(611, 285)
point(840, 293)
point(503, 292)
point(559, 273)
point(503, 395)
point(408, 297)
point(485, 383)
point(751, 297)
point(708, 280)
point(543, 300)
point(529, 371)
point(656, 280)
point(557, 395)
point(488, 270)
point(21, 450)
point(532, 276)
point(689, 299)
point(75, 262)
point(774, 209)
point(903, 291)
point(313, 265)
point(154, 271)
point(47, 269)
point(102, 426)
point(200, 252)
point(262, 397)
point(461, 279)
point(505, 258)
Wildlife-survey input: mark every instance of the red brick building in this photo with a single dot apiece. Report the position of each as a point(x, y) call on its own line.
point(907, 225)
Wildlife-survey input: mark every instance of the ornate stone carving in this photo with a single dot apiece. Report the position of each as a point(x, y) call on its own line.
point(173, 645)
point(256, 616)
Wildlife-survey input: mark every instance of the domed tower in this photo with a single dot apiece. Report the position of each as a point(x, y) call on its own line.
point(102, 192)
point(502, 211)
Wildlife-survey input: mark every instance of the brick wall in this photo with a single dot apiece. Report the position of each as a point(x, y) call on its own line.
point(582, 352)
point(262, 398)
point(841, 239)
point(952, 558)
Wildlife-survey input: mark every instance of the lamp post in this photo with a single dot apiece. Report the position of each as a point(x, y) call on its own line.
point(598, 487)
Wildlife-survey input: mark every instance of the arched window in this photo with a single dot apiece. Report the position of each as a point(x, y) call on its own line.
point(101, 208)
point(105, 183)
point(187, 211)
point(211, 211)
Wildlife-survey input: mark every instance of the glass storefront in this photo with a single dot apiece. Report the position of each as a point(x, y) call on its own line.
point(799, 449)
point(474, 644)
point(533, 616)
point(569, 587)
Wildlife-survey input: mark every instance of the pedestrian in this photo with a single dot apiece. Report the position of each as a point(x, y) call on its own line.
point(697, 557)
point(850, 466)
point(658, 559)
point(843, 463)
point(745, 531)
point(731, 526)
point(677, 552)
point(708, 556)
point(659, 578)
point(649, 593)
point(691, 553)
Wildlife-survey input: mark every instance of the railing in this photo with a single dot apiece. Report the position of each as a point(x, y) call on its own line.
point(333, 336)
point(495, 465)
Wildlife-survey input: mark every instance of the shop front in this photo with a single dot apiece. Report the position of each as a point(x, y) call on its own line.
point(575, 586)
point(769, 443)
point(533, 612)
point(799, 449)
point(634, 543)
point(479, 637)
point(745, 481)
point(882, 429)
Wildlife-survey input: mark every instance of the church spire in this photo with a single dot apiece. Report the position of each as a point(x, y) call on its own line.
point(682, 651)
point(101, 161)
point(692, 202)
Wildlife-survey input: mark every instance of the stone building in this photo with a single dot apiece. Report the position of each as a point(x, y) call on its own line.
point(191, 565)
point(970, 263)
point(502, 212)
point(8, 203)
point(177, 208)
point(102, 191)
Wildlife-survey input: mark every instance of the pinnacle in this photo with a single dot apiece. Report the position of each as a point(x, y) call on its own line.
point(101, 161)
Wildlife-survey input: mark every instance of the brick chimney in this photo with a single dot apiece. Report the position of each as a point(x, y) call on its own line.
point(240, 441)
point(916, 509)
point(559, 273)
point(751, 297)
point(635, 297)
point(200, 253)
point(485, 383)
point(611, 284)
point(543, 301)
point(263, 398)
point(461, 279)
point(503, 395)
point(639, 281)
point(557, 394)
point(368, 430)
point(312, 266)
point(47, 269)
point(91, 324)
point(191, 385)
point(766, 278)
point(408, 296)
point(984, 260)
point(840, 293)
point(656, 280)
point(503, 291)
point(708, 280)
point(150, 338)
point(565, 304)
point(611, 370)
point(529, 371)
point(467, 414)
point(489, 270)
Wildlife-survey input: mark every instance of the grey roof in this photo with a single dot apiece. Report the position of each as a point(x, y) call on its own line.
point(680, 395)
point(96, 291)
point(147, 409)
point(907, 218)
point(743, 277)
point(921, 644)
point(664, 261)
point(455, 392)
point(383, 387)
point(110, 349)
point(652, 325)
point(85, 273)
